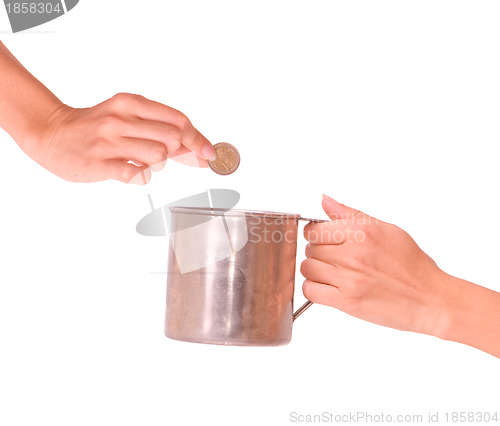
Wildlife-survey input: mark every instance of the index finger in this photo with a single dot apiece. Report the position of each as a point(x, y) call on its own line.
point(193, 140)
point(147, 109)
point(335, 232)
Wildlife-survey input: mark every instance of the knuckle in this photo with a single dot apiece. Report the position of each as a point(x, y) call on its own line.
point(396, 230)
point(308, 250)
point(126, 173)
point(313, 251)
point(198, 140)
point(158, 153)
point(306, 232)
point(109, 124)
point(176, 145)
point(175, 140)
point(183, 121)
point(306, 289)
point(304, 267)
point(121, 100)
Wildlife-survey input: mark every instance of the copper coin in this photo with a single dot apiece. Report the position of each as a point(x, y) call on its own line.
point(227, 161)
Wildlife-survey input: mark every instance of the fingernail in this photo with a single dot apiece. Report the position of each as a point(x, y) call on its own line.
point(158, 166)
point(330, 203)
point(208, 152)
point(326, 197)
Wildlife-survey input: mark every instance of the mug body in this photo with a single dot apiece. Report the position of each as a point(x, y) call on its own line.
point(231, 276)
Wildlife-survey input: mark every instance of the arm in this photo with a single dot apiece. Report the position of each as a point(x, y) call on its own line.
point(26, 105)
point(471, 317)
point(375, 271)
point(122, 138)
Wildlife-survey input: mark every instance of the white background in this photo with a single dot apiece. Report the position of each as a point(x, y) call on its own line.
point(390, 106)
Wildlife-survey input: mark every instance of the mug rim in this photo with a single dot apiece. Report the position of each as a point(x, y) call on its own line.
point(214, 211)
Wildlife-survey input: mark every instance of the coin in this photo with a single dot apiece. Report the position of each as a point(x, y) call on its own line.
point(227, 161)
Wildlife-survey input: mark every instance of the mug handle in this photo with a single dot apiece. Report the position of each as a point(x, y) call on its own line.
point(308, 304)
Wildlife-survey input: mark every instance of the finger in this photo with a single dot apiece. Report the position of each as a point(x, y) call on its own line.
point(158, 167)
point(146, 109)
point(334, 232)
point(331, 254)
point(335, 210)
point(188, 158)
point(167, 134)
point(140, 151)
point(142, 178)
point(316, 270)
point(124, 172)
point(193, 140)
point(151, 111)
point(323, 294)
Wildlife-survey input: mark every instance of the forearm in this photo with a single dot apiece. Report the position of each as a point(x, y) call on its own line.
point(26, 105)
point(471, 315)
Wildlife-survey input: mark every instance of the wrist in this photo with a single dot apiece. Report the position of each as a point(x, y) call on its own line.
point(446, 305)
point(468, 314)
point(36, 143)
point(26, 103)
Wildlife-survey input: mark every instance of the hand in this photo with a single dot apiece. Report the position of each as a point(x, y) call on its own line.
point(372, 270)
point(99, 143)
point(375, 271)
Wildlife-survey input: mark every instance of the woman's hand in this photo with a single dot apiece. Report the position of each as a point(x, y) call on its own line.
point(123, 138)
point(101, 142)
point(375, 271)
point(371, 270)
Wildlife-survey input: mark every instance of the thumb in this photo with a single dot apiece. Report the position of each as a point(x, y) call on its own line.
point(335, 210)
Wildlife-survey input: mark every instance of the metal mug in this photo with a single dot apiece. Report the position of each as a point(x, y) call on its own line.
point(231, 276)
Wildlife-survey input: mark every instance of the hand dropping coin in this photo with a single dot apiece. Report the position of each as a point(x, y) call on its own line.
point(227, 161)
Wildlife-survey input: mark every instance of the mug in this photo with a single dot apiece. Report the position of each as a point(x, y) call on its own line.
point(231, 276)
